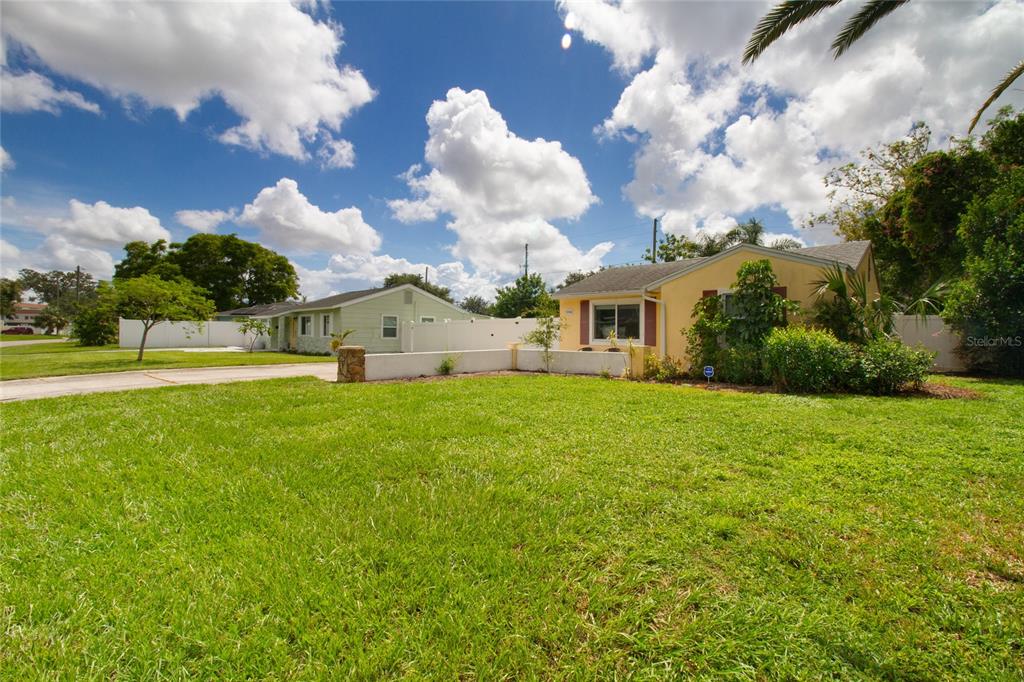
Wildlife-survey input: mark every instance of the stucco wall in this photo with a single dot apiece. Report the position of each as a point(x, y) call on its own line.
point(409, 365)
point(933, 334)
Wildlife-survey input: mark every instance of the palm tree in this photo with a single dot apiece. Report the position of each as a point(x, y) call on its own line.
point(790, 13)
point(750, 232)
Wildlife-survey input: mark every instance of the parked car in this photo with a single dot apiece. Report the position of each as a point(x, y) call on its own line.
point(18, 330)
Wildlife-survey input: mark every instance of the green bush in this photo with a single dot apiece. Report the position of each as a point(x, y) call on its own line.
point(807, 360)
point(741, 365)
point(665, 369)
point(95, 326)
point(885, 367)
point(447, 365)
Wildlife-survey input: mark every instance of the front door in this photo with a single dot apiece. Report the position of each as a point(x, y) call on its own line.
point(293, 332)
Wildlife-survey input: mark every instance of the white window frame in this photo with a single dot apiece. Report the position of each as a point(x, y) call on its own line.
point(382, 327)
point(303, 329)
point(326, 329)
point(616, 302)
point(427, 319)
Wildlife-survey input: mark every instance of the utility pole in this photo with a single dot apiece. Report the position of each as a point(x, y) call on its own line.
point(526, 263)
point(654, 241)
point(426, 274)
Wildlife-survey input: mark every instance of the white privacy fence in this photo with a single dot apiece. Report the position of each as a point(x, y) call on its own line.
point(464, 335)
point(933, 334)
point(184, 335)
point(411, 365)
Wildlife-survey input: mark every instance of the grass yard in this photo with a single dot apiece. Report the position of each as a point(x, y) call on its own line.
point(56, 359)
point(511, 527)
point(28, 337)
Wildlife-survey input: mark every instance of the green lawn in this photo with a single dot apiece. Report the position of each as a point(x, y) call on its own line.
point(28, 337)
point(55, 359)
point(511, 527)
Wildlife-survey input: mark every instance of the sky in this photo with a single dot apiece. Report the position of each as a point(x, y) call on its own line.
point(361, 139)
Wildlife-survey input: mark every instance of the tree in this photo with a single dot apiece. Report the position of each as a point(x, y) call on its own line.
point(789, 13)
point(10, 293)
point(256, 327)
point(477, 305)
point(580, 275)
point(152, 300)
point(96, 322)
point(234, 271)
point(672, 248)
point(52, 320)
point(527, 297)
point(65, 292)
point(398, 278)
point(987, 304)
point(755, 308)
point(545, 335)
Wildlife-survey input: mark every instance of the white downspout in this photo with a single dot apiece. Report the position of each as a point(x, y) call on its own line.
point(661, 321)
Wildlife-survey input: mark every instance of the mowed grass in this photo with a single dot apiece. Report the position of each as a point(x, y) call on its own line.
point(57, 359)
point(511, 527)
point(28, 337)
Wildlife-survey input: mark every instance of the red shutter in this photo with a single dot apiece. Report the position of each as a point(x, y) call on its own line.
point(781, 291)
point(584, 322)
point(709, 292)
point(650, 319)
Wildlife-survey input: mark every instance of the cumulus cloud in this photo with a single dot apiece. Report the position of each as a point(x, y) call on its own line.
point(103, 225)
point(204, 221)
point(715, 138)
point(55, 253)
point(287, 219)
point(34, 92)
point(337, 154)
point(343, 272)
point(6, 162)
point(501, 190)
point(270, 62)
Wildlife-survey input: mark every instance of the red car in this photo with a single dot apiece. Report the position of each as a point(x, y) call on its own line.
point(18, 330)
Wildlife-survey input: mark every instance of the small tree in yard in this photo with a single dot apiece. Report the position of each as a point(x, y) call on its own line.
point(152, 300)
point(545, 335)
point(256, 328)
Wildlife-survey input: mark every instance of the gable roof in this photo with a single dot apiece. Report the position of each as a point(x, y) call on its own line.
point(262, 309)
point(637, 278)
point(351, 297)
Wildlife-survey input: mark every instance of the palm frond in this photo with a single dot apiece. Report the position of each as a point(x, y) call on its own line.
point(861, 22)
point(780, 19)
point(1007, 81)
point(833, 280)
point(929, 302)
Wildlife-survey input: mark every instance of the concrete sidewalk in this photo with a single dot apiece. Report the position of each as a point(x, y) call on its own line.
point(29, 342)
point(51, 387)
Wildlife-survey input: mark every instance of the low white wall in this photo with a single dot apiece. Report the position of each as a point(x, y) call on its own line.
point(409, 365)
point(933, 334)
point(184, 335)
point(464, 335)
point(573, 361)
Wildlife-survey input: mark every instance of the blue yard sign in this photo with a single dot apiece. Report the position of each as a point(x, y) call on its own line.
point(709, 372)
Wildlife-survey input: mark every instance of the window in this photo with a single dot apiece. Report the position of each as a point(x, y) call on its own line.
point(305, 325)
point(426, 318)
point(325, 323)
point(624, 320)
point(389, 326)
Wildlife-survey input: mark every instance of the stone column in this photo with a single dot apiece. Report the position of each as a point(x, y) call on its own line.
point(351, 364)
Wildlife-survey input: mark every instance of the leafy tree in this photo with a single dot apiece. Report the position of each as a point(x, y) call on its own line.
point(545, 335)
point(65, 292)
point(52, 320)
point(987, 304)
point(672, 248)
point(96, 323)
point(398, 278)
point(153, 300)
point(256, 327)
point(527, 297)
point(580, 275)
point(755, 307)
point(789, 13)
point(10, 293)
point(234, 271)
point(477, 305)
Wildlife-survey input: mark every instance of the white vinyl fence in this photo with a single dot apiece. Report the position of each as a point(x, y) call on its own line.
point(463, 335)
point(184, 335)
point(933, 334)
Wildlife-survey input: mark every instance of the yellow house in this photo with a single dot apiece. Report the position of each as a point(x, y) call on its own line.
point(651, 304)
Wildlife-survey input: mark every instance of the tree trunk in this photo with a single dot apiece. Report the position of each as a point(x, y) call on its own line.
point(142, 344)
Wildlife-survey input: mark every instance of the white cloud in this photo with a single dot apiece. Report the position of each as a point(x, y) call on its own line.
point(55, 253)
point(337, 154)
point(204, 221)
point(716, 138)
point(286, 218)
point(34, 92)
point(500, 189)
point(344, 273)
point(271, 63)
point(6, 161)
point(103, 225)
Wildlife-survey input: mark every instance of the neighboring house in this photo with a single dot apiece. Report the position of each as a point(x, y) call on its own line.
point(652, 304)
point(24, 315)
point(376, 315)
point(260, 310)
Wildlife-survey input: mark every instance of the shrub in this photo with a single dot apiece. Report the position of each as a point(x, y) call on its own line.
point(663, 369)
point(807, 360)
point(447, 365)
point(885, 367)
point(742, 365)
point(95, 326)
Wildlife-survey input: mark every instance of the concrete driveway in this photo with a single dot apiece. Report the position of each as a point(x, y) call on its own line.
point(29, 342)
point(50, 387)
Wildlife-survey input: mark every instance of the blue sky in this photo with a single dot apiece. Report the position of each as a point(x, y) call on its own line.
point(656, 125)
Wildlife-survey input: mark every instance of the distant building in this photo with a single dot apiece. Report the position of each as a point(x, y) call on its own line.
point(25, 316)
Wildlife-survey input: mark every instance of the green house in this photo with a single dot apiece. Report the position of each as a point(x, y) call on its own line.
point(376, 315)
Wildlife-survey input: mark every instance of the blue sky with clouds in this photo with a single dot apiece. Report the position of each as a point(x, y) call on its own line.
point(365, 138)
